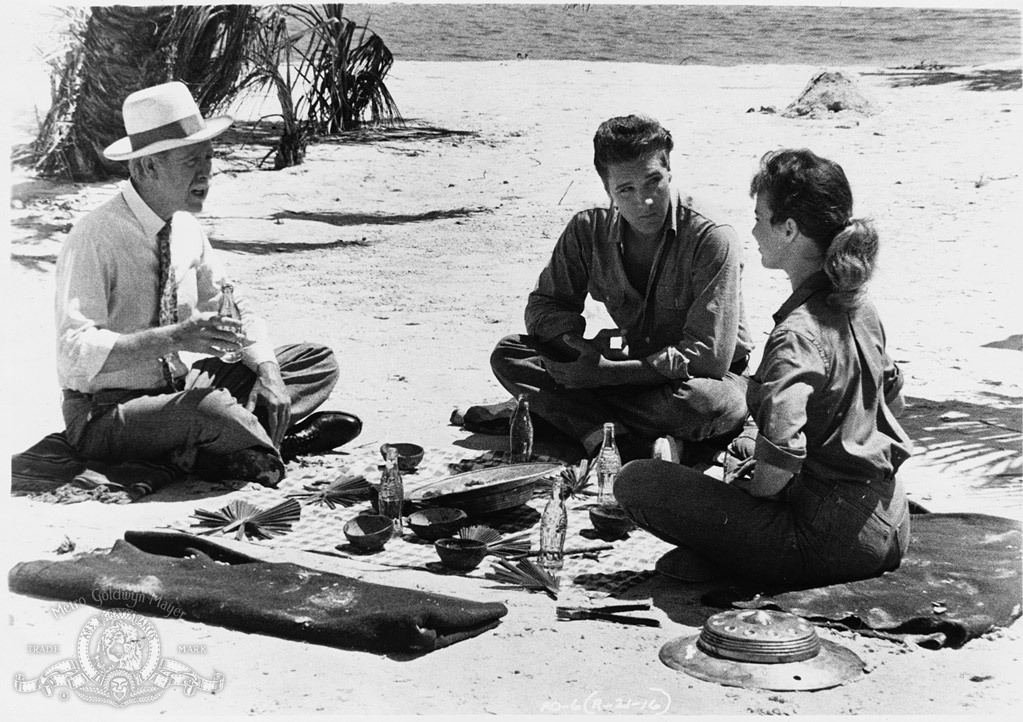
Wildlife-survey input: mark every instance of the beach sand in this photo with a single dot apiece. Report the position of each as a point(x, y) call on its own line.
point(411, 253)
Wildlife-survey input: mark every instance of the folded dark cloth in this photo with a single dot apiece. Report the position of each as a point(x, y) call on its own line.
point(961, 578)
point(170, 573)
point(51, 470)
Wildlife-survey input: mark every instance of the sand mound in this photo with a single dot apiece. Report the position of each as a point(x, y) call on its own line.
point(831, 92)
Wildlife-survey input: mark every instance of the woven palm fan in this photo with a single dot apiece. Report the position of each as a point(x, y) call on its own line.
point(496, 544)
point(576, 479)
point(527, 574)
point(246, 519)
point(343, 491)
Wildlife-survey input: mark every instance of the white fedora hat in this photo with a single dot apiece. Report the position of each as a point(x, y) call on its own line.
point(160, 118)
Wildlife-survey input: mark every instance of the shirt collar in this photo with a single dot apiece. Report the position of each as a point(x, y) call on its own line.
point(151, 223)
point(818, 281)
point(617, 222)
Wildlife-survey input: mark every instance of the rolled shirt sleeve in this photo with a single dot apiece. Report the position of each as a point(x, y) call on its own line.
point(83, 340)
point(792, 367)
point(556, 304)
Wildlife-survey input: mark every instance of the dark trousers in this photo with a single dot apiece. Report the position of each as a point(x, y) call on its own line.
point(691, 410)
point(207, 415)
point(821, 532)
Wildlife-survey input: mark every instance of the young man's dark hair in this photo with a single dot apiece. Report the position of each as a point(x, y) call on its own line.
point(627, 138)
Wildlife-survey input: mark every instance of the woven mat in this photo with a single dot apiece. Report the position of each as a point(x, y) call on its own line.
point(629, 562)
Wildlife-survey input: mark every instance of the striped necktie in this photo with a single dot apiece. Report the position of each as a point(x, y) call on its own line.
point(168, 290)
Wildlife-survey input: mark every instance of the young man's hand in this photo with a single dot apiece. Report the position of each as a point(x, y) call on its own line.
point(589, 370)
point(610, 342)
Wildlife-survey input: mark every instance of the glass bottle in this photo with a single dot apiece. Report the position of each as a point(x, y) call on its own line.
point(229, 309)
point(609, 462)
point(553, 525)
point(520, 435)
point(391, 495)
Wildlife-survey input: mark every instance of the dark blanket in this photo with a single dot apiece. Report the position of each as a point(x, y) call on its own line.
point(51, 470)
point(180, 575)
point(960, 579)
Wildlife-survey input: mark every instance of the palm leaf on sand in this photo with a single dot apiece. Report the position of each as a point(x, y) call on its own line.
point(525, 573)
point(246, 519)
point(498, 545)
point(346, 490)
point(576, 480)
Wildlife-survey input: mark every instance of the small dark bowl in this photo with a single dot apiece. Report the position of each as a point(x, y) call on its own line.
point(610, 521)
point(461, 554)
point(369, 532)
point(409, 455)
point(437, 522)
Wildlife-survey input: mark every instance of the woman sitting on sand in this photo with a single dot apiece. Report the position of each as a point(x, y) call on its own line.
point(818, 502)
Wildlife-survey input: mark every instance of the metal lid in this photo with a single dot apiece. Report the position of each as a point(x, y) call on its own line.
point(762, 649)
point(759, 635)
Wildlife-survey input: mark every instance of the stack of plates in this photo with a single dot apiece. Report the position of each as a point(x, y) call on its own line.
point(485, 491)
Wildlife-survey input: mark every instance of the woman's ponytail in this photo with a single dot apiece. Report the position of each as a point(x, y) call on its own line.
point(850, 261)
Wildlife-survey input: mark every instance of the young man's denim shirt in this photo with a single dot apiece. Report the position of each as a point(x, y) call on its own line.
point(688, 322)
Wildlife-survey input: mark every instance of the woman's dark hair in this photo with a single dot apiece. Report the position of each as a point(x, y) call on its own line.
point(628, 138)
point(815, 194)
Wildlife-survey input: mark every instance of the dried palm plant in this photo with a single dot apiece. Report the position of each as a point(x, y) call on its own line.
point(113, 51)
point(344, 66)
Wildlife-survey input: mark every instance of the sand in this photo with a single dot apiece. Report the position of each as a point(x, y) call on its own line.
point(411, 254)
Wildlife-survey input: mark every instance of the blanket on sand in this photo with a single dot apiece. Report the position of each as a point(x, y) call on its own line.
point(960, 579)
point(209, 583)
point(51, 470)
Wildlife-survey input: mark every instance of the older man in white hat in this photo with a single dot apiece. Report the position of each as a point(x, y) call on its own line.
point(137, 284)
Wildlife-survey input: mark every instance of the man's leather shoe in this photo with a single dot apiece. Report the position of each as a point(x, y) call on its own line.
point(319, 433)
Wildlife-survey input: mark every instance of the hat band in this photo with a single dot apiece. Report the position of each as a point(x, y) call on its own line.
point(175, 130)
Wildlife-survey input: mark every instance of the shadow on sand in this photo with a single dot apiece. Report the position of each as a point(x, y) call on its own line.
point(976, 80)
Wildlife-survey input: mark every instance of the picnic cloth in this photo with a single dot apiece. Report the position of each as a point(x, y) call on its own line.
point(319, 529)
point(960, 579)
point(51, 470)
point(204, 582)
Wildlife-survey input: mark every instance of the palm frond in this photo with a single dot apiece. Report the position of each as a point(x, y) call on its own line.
point(577, 480)
point(512, 544)
point(246, 519)
point(527, 574)
point(346, 490)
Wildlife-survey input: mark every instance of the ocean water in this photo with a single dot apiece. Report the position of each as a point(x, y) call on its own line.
point(695, 34)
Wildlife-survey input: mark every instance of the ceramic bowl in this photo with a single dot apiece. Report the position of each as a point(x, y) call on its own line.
point(460, 554)
point(369, 532)
point(409, 455)
point(437, 523)
point(610, 521)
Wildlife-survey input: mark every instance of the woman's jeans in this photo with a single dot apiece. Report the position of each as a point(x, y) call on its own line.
point(820, 532)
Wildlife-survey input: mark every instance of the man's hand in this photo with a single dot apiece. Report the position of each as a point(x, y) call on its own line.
point(588, 371)
point(207, 333)
point(270, 391)
point(610, 342)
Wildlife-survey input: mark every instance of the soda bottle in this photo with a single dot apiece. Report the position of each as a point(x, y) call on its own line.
point(553, 525)
point(229, 309)
point(520, 436)
point(609, 462)
point(391, 496)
